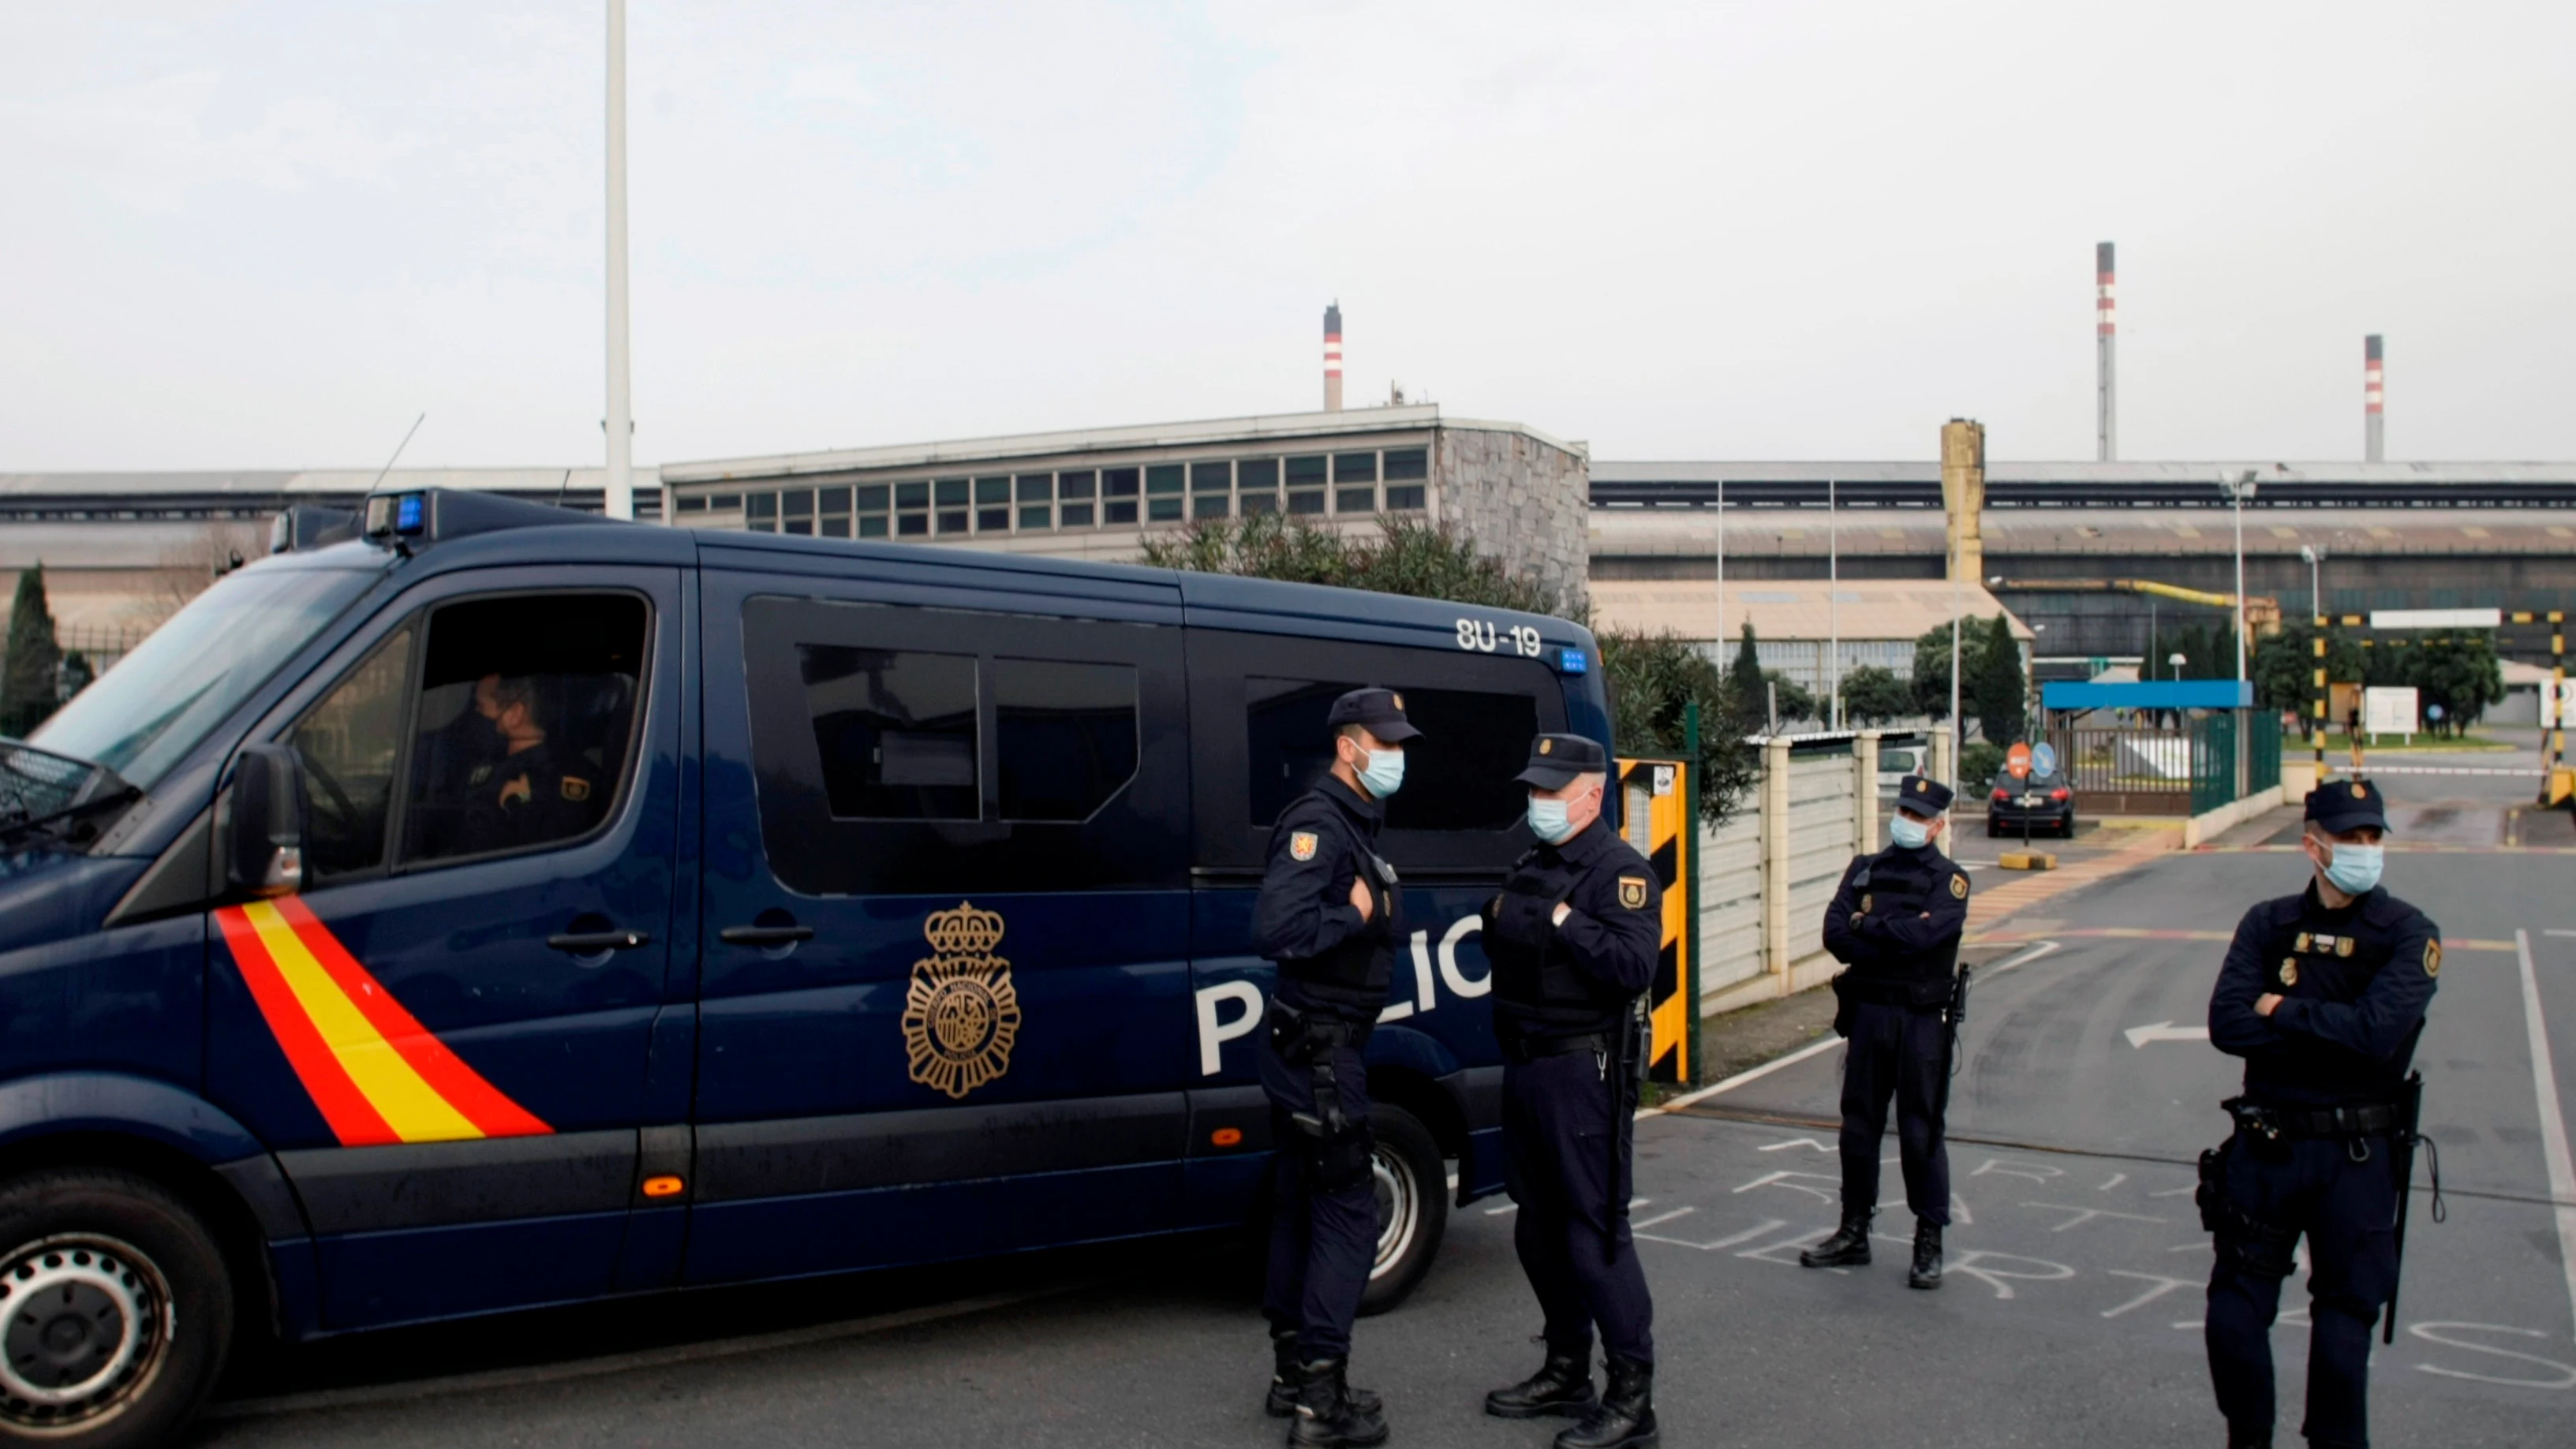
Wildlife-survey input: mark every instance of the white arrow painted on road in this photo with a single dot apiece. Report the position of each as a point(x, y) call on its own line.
point(2139, 1036)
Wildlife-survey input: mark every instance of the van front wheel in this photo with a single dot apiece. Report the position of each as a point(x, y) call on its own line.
point(1412, 1183)
point(118, 1311)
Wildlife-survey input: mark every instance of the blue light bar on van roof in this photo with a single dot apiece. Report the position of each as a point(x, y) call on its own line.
point(1573, 661)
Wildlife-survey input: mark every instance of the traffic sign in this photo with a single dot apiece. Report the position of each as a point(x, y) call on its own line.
point(2043, 759)
point(2017, 760)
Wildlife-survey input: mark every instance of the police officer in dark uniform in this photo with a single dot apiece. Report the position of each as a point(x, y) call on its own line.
point(1331, 916)
point(2323, 995)
point(1574, 937)
point(1895, 922)
point(524, 792)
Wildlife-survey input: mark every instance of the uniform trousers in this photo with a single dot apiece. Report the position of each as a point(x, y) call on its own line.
point(1323, 1235)
point(1903, 1052)
point(2347, 1210)
point(1561, 1122)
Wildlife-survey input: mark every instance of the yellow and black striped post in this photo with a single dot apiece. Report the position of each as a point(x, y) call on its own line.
point(1662, 832)
point(2554, 788)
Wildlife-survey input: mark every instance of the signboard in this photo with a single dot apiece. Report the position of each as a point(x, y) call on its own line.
point(2017, 761)
point(2563, 711)
point(2389, 709)
point(2043, 758)
point(2436, 618)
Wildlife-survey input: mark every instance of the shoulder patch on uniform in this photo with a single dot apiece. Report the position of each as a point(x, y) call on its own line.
point(1632, 892)
point(575, 790)
point(1301, 846)
point(1958, 886)
point(2343, 945)
point(2432, 958)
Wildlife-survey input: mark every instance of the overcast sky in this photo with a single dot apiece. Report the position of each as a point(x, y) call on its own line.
point(266, 235)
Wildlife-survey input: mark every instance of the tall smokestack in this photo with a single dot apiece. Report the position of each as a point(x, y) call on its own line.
point(2374, 447)
point(2105, 327)
point(1333, 358)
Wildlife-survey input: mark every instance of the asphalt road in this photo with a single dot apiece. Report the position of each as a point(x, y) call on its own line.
point(2072, 1313)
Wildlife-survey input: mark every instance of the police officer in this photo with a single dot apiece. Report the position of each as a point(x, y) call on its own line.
point(1895, 921)
point(1331, 917)
point(1574, 937)
point(522, 791)
point(2323, 995)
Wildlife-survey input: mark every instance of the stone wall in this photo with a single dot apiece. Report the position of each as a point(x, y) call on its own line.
point(1523, 500)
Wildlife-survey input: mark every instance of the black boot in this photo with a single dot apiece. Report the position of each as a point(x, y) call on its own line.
point(1286, 1373)
point(2248, 1438)
point(1926, 1272)
point(1562, 1385)
point(1847, 1248)
point(1625, 1417)
point(1327, 1417)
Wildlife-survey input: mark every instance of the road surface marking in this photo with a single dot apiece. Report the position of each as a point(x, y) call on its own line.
point(1764, 1229)
point(1795, 1142)
point(2078, 1216)
point(1679, 1212)
point(2139, 1036)
point(2162, 1286)
point(2553, 1123)
point(2116, 1179)
point(2566, 1374)
point(1813, 1048)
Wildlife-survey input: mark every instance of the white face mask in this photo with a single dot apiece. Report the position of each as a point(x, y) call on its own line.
point(1909, 832)
point(1384, 772)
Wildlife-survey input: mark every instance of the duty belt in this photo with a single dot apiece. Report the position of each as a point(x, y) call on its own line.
point(1522, 1052)
point(2371, 1119)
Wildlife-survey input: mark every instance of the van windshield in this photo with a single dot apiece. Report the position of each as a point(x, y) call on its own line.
point(144, 715)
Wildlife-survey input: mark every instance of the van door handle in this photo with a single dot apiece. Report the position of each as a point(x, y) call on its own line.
point(764, 935)
point(584, 943)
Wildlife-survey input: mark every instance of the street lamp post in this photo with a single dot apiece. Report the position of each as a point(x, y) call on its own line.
point(2239, 488)
point(2315, 554)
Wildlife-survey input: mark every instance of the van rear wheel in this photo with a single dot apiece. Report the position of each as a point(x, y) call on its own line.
point(1412, 1183)
point(118, 1310)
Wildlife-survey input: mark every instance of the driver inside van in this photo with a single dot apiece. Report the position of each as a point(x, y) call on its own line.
point(523, 792)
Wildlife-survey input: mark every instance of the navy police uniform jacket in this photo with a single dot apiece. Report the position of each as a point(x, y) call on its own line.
point(1330, 960)
point(1896, 921)
point(2355, 983)
point(1578, 978)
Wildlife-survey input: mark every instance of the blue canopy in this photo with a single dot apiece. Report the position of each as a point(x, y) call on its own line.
point(2148, 694)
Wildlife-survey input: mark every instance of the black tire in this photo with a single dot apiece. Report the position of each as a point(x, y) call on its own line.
point(143, 1310)
point(1412, 1205)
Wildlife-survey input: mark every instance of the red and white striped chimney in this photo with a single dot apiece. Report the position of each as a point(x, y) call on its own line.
point(2374, 392)
point(1333, 358)
point(2106, 316)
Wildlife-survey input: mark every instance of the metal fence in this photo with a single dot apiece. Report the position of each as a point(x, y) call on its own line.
point(2129, 770)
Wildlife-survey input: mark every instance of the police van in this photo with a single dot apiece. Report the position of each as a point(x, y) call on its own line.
point(498, 907)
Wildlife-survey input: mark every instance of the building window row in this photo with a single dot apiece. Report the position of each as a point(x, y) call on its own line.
point(1316, 485)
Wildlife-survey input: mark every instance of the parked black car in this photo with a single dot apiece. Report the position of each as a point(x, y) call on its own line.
point(2039, 805)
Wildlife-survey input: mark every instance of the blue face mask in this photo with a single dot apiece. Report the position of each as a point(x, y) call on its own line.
point(1909, 832)
point(2355, 869)
point(1547, 820)
point(1384, 774)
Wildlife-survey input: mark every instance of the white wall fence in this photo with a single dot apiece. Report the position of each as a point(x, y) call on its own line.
point(1767, 874)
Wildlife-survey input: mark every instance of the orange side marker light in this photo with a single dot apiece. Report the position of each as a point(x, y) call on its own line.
point(1227, 1136)
point(665, 1185)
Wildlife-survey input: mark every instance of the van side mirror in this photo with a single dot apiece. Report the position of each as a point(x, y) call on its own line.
point(259, 824)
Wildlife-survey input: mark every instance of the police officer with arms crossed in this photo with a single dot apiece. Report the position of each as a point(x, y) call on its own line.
point(2323, 995)
point(1573, 938)
point(1895, 921)
point(1330, 915)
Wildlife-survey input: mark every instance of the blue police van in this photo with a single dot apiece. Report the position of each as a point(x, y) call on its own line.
point(492, 907)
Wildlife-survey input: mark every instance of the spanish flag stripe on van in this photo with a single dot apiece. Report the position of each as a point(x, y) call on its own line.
point(343, 1107)
point(464, 1089)
point(375, 1074)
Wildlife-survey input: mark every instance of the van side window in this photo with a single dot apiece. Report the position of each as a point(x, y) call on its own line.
point(1458, 776)
point(895, 731)
point(350, 745)
point(1067, 736)
point(901, 750)
point(526, 720)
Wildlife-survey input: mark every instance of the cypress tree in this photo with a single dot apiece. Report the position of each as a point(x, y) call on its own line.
point(27, 679)
point(2001, 697)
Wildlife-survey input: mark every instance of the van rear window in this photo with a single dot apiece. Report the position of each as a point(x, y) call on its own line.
point(895, 730)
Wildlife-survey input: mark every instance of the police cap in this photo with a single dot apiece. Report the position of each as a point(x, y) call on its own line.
point(2341, 805)
point(1380, 711)
point(1555, 761)
point(1916, 795)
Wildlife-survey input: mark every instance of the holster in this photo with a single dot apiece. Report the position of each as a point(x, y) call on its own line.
point(2252, 1245)
point(1337, 1148)
point(1845, 1008)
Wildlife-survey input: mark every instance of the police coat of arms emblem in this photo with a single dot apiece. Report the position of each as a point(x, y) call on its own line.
point(961, 1014)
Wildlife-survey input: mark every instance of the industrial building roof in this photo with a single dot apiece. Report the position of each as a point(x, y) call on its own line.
point(1789, 608)
point(1648, 532)
point(1276, 428)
